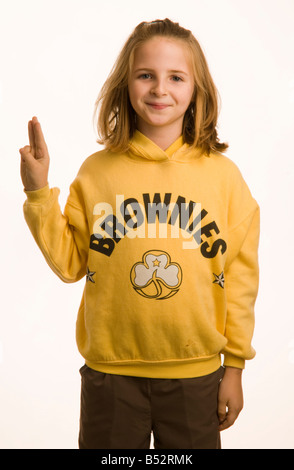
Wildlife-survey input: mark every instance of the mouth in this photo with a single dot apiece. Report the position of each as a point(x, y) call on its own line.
point(158, 106)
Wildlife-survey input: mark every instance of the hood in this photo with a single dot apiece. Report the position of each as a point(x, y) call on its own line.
point(141, 147)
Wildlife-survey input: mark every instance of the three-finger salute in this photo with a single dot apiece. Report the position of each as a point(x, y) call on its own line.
point(34, 158)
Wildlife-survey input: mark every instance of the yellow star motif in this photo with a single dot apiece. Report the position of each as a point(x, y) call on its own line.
point(156, 263)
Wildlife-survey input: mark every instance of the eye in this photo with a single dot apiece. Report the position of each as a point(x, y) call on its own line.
point(145, 76)
point(176, 78)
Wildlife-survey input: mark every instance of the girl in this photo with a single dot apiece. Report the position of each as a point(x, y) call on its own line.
point(165, 230)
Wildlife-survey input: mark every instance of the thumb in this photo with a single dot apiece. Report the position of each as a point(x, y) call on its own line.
point(26, 154)
point(28, 160)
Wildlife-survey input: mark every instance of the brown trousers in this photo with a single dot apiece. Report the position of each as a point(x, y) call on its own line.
point(120, 412)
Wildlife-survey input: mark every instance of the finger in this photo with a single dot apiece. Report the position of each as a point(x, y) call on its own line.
point(224, 425)
point(38, 133)
point(40, 144)
point(231, 417)
point(31, 134)
point(222, 411)
point(31, 137)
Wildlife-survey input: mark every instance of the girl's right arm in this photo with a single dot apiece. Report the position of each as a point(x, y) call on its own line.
point(62, 238)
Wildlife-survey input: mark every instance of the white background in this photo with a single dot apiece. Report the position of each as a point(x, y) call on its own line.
point(55, 56)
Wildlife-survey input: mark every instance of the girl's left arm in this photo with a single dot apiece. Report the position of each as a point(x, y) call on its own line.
point(241, 283)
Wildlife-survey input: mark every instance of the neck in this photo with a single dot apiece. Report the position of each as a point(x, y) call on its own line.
point(161, 136)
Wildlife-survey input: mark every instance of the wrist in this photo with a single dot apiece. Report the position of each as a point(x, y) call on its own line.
point(35, 187)
point(233, 370)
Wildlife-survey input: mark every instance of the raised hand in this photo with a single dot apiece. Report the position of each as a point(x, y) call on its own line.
point(34, 165)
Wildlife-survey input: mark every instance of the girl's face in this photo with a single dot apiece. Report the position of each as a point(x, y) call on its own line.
point(161, 85)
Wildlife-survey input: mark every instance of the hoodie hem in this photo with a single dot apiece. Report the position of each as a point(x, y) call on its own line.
point(160, 370)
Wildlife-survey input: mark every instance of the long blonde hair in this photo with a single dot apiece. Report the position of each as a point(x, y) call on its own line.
point(114, 115)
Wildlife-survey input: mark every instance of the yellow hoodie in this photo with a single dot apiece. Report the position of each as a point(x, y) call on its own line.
point(168, 244)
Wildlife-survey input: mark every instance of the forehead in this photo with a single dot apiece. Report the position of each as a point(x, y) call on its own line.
point(161, 52)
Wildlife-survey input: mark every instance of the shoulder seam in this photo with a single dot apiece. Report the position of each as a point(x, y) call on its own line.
point(245, 218)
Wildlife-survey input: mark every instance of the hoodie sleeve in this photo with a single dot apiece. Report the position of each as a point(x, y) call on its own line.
point(241, 275)
point(62, 238)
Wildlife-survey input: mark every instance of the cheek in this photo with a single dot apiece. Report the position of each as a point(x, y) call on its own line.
point(135, 98)
point(189, 94)
point(185, 98)
point(136, 91)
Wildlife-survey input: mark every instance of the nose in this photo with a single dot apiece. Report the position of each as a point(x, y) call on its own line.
point(159, 88)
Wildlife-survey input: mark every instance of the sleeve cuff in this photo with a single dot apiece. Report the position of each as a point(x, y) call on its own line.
point(234, 361)
point(39, 195)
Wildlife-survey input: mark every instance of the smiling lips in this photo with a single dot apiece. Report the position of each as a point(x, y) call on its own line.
point(158, 106)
